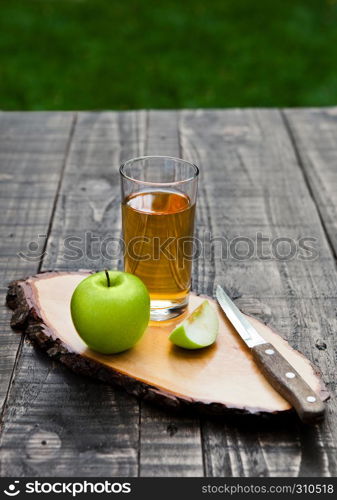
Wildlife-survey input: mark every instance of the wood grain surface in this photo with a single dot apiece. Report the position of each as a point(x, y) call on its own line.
point(33, 148)
point(266, 172)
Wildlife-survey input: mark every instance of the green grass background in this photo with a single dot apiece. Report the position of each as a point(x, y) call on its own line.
point(129, 54)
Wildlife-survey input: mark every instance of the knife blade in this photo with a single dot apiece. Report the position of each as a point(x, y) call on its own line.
point(277, 370)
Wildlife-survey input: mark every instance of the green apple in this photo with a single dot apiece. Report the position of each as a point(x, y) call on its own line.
point(110, 310)
point(199, 330)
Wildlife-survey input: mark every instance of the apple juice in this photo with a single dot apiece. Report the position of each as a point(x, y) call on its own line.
point(158, 230)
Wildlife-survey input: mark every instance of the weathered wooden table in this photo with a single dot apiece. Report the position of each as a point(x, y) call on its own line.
point(267, 172)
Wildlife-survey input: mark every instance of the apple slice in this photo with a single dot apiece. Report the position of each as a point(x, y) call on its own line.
point(199, 330)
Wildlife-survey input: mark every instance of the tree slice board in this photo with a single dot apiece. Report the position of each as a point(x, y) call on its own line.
point(219, 378)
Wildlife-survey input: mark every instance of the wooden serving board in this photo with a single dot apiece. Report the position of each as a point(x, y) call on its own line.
point(219, 378)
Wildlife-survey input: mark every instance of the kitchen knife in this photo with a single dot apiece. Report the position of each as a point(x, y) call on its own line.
point(281, 375)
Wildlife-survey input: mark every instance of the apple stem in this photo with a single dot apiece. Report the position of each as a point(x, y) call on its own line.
point(107, 276)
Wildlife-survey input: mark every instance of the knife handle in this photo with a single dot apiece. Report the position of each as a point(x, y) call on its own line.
point(289, 383)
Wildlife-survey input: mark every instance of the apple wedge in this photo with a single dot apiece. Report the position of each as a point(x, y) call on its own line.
point(199, 330)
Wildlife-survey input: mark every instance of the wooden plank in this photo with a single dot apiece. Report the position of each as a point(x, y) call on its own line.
point(314, 133)
point(170, 445)
point(57, 421)
point(33, 147)
point(251, 183)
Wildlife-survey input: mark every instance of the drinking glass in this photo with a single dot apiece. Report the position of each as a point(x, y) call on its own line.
point(158, 211)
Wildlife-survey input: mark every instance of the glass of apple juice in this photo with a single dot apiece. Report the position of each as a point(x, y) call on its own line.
point(158, 209)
